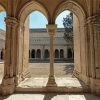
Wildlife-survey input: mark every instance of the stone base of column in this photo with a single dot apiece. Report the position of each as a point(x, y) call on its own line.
point(26, 74)
point(22, 76)
point(8, 86)
point(51, 82)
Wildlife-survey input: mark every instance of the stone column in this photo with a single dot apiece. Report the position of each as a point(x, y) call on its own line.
point(30, 53)
point(23, 51)
point(35, 53)
point(20, 51)
point(77, 47)
point(91, 38)
point(42, 52)
point(51, 30)
point(94, 54)
point(10, 66)
point(65, 52)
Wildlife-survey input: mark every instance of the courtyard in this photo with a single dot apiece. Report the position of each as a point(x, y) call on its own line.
point(42, 69)
point(39, 73)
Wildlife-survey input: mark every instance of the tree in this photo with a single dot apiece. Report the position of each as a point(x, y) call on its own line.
point(68, 25)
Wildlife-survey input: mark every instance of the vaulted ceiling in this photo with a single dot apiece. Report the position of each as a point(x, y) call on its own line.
point(14, 6)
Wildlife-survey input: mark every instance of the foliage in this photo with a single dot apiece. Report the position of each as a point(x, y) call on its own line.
point(68, 25)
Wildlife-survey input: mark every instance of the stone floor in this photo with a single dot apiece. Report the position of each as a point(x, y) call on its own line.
point(50, 96)
point(64, 85)
point(39, 77)
point(42, 82)
point(39, 74)
point(42, 69)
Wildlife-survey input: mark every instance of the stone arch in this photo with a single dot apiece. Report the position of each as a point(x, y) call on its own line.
point(73, 6)
point(80, 37)
point(30, 7)
point(38, 53)
point(69, 53)
point(22, 16)
point(33, 53)
point(56, 53)
point(2, 8)
point(61, 53)
point(46, 53)
point(2, 55)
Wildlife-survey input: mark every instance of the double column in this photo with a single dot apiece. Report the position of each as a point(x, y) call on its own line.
point(10, 67)
point(51, 30)
point(23, 50)
point(93, 23)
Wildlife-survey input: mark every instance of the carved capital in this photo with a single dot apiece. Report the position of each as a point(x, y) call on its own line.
point(51, 29)
point(95, 20)
point(11, 21)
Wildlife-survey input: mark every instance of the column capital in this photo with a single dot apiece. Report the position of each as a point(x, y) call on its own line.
point(95, 20)
point(11, 21)
point(51, 28)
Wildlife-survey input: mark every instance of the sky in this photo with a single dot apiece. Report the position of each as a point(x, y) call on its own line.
point(37, 20)
point(2, 22)
point(59, 19)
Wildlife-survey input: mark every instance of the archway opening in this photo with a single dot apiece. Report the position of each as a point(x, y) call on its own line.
point(37, 41)
point(73, 22)
point(69, 54)
point(33, 54)
point(46, 54)
point(63, 40)
point(38, 54)
point(61, 53)
point(58, 42)
point(2, 40)
point(56, 54)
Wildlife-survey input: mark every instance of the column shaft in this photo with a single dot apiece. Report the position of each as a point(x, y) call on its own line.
point(10, 67)
point(51, 55)
point(51, 30)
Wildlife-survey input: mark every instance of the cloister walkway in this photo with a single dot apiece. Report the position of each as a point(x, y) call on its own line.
point(65, 80)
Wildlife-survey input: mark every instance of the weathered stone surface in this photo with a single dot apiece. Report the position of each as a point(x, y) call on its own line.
point(88, 62)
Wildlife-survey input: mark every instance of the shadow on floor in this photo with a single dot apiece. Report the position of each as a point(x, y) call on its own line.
point(69, 68)
point(49, 96)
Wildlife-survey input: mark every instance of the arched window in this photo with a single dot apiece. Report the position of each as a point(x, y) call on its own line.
point(69, 51)
point(56, 53)
point(33, 53)
point(38, 54)
point(46, 53)
point(61, 53)
point(1, 55)
point(29, 53)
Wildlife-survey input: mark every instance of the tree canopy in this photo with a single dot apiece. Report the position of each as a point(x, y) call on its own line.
point(68, 25)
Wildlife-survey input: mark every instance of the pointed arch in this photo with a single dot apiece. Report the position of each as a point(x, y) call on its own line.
point(2, 8)
point(73, 6)
point(56, 53)
point(46, 53)
point(30, 7)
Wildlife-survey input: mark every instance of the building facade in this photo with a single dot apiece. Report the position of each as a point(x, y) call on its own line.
point(39, 46)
